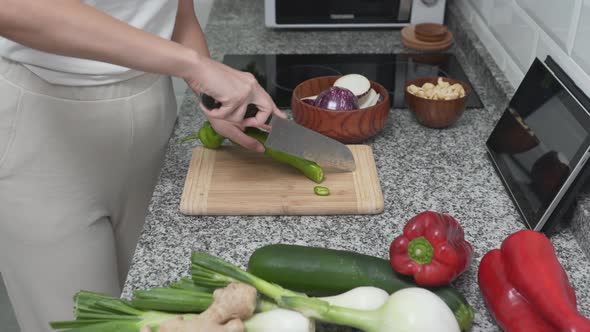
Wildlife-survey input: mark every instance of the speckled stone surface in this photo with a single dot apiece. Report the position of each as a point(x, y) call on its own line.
point(419, 168)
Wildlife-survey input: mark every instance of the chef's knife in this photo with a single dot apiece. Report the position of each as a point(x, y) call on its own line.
point(291, 138)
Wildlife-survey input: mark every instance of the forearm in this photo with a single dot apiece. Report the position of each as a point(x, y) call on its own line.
point(187, 30)
point(71, 28)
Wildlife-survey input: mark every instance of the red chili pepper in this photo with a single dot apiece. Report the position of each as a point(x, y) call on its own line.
point(533, 268)
point(508, 307)
point(527, 289)
point(432, 249)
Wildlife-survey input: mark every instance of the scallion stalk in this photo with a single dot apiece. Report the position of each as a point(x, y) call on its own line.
point(124, 316)
point(411, 309)
point(182, 300)
point(188, 284)
point(95, 312)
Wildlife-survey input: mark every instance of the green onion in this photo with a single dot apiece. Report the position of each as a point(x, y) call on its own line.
point(112, 314)
point(171, 300)
point(407, 310)
point(95, 312)
point(188, 284)
point(183, 300)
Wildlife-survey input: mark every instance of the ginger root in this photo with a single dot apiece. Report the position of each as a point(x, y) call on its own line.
point(234, 301)
point(201, 325)
point(231, 305)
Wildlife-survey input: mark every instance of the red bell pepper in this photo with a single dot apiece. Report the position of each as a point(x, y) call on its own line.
point(525, 277)
point(432, 249)
point(508, 307)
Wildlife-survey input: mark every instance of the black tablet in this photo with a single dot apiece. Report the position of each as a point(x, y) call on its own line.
point(540, 144)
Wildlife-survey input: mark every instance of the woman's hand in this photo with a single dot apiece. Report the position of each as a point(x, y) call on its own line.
point(225, 84)
point(76, 29)
point(235, 90)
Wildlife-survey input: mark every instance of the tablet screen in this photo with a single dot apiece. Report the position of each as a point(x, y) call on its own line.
point(539, 141)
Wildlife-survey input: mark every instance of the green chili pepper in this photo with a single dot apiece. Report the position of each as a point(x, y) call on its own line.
point(321, 191)
point(207, 135)
point(309, 168)
point(212, 140)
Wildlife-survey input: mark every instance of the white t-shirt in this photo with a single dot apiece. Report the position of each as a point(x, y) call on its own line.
point(154, 16)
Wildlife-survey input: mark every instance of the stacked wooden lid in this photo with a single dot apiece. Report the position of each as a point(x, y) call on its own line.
point(427, 37)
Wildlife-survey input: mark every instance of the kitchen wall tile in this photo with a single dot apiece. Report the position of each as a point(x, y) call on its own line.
point(547, 46)
point(556, 18)
point(513, 72)
point(581, 50)
point(578, 68)
point(467, 8)
point(513, 38)
point(515, 31)
point(494, 47)
point(483, 8)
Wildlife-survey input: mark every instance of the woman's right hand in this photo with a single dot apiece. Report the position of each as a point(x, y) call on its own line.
point(235, 90)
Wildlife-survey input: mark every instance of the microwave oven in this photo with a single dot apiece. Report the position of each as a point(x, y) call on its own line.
point(352, 13)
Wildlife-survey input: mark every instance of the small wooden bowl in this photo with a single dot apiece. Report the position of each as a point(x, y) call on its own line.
point(436, 113)
point(409, 39)
point(345, 126)
point(430, 32)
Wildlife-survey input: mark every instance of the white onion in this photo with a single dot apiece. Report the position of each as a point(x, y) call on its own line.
point(358, 84)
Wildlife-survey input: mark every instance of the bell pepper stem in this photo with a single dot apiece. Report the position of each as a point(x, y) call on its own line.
point(420, 250)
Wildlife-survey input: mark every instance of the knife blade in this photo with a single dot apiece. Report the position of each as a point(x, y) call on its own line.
point(287, 136)
point(292, 138)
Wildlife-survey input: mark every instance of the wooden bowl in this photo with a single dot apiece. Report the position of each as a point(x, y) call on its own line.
point(410, 40)
point(430, 32)
point(345, 126)
point(436, 113)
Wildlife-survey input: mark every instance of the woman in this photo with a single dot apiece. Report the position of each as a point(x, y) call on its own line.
point(86, 111)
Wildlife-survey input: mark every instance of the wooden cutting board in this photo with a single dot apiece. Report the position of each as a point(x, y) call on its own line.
point(233, 181)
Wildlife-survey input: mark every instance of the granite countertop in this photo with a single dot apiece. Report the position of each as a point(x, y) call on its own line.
point(419, 168)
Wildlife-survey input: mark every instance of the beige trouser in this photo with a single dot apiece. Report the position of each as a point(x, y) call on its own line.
point(78, 166)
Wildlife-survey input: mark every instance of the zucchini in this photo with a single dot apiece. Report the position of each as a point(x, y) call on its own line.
point(326, 272)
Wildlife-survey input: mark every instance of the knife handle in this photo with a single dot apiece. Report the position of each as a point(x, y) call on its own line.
point(210, 103)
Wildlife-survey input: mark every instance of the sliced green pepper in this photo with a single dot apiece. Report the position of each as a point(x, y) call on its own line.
point(321, 191)
point(212, 140)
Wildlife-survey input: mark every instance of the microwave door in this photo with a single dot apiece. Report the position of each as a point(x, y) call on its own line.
point(340, 11)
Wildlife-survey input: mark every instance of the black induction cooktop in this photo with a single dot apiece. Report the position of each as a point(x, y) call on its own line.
point(279, 74)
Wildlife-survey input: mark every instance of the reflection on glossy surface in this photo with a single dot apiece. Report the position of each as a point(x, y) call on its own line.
point(513, 135)
point(548, 174)
point(541, 138)
point(279, 74)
